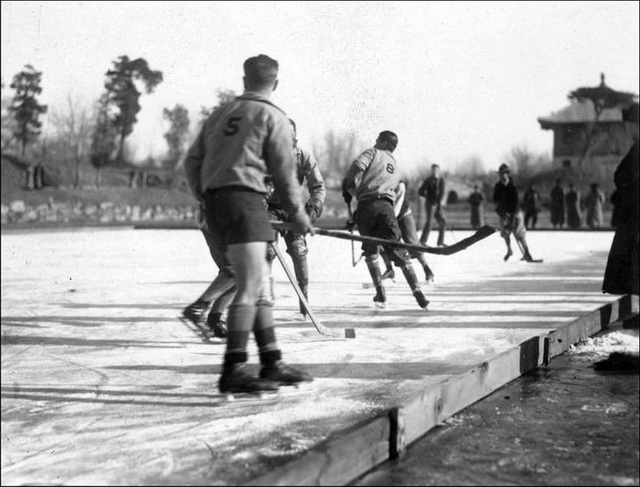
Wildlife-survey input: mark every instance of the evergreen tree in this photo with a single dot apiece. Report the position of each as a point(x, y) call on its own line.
point(122, 93)
point(103, 141)
point(25, 107)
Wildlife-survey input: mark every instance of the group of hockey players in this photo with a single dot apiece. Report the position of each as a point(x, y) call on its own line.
point(246, 170)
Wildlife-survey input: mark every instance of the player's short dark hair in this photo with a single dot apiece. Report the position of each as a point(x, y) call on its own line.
point(389, 139)
point(260, 71)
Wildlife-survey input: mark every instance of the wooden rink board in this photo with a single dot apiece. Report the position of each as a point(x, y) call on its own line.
point(352, 453)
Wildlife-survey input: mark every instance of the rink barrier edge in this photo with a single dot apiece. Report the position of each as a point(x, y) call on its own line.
point(351, 453)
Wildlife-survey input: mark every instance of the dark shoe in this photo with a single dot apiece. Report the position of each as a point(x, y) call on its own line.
point(527, 257)
point(217, 326)
point(389, 274)
point(380, 299)
point(195, 312)
point(303, 310)
point(428, 275)
point(236, 378)
point(305, 293)
point(422, 301)
point(284, 374)
point(509, 254)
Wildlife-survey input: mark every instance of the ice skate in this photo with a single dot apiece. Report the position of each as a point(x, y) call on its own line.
point(508, 254)
point(429, 277)
point(217, 327)
point(195, 313)
point(389, 274)
point(422, 301)
point(284, 375)
point(236, 382)
point(380, 299)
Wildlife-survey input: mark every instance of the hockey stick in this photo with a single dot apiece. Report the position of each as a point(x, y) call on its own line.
point(481, 233)
point(354, 262)
point(532, 260)
point(323, 330)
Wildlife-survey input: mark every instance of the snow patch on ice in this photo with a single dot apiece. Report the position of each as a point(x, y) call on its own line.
point(596, 348)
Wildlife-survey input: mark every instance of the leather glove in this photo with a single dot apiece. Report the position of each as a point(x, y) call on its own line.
point(346, 196)
point(201, 221)
point(351, 222)
point(314, 209)
point(300, 224)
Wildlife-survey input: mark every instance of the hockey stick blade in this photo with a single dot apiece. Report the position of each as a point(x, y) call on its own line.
point(481, 233)
point(323, 330)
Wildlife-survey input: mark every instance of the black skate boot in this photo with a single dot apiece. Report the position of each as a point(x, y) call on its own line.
point(305, 292)
point(508, 254)
point(412, 280)
point(422, 301)
point(195, 312)
point(380, 299)
point(389, 274)
point(217, 326)
point(274, 369)
point(236, 379)
point(428, 274)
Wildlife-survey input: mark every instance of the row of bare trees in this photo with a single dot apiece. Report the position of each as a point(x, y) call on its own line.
point(97, 132)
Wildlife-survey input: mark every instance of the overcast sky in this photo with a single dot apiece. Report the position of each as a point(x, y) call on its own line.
point(452, 79)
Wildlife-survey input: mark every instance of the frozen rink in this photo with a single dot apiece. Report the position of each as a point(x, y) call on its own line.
point(103, 385)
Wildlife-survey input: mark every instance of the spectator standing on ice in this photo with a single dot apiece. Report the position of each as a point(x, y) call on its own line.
point(433, 191)
point(593, 203)
point(621, 274)
point(557, 205)
point(476, 201)
point(574, 212)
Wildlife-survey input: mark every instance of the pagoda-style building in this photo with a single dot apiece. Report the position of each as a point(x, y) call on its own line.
point(582, 137)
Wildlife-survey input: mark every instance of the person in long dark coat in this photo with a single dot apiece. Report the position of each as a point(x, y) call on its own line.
point(476, 200)
point(621, 274)
point(557, 205)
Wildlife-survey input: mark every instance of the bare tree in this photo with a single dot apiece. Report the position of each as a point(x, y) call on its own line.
point(178, 132)
point(224, 97)
point(335, 152)
point(472, 167)
point(73, 124)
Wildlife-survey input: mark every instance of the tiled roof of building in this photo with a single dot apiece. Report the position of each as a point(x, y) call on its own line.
point(581, 112)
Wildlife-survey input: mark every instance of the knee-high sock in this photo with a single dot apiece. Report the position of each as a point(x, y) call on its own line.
point(410, 276)
point(374, 270)
point(240, 323)
point(263, 330)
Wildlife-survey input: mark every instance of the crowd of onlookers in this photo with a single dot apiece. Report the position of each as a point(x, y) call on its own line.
point(569, 208)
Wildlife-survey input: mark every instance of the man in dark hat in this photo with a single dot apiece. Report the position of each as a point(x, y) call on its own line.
point(505, 196)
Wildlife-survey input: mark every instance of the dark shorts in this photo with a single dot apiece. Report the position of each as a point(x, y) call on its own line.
point(376, 218)
point(238, 215)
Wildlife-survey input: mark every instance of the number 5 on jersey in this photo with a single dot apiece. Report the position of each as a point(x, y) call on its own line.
point(232, 126)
